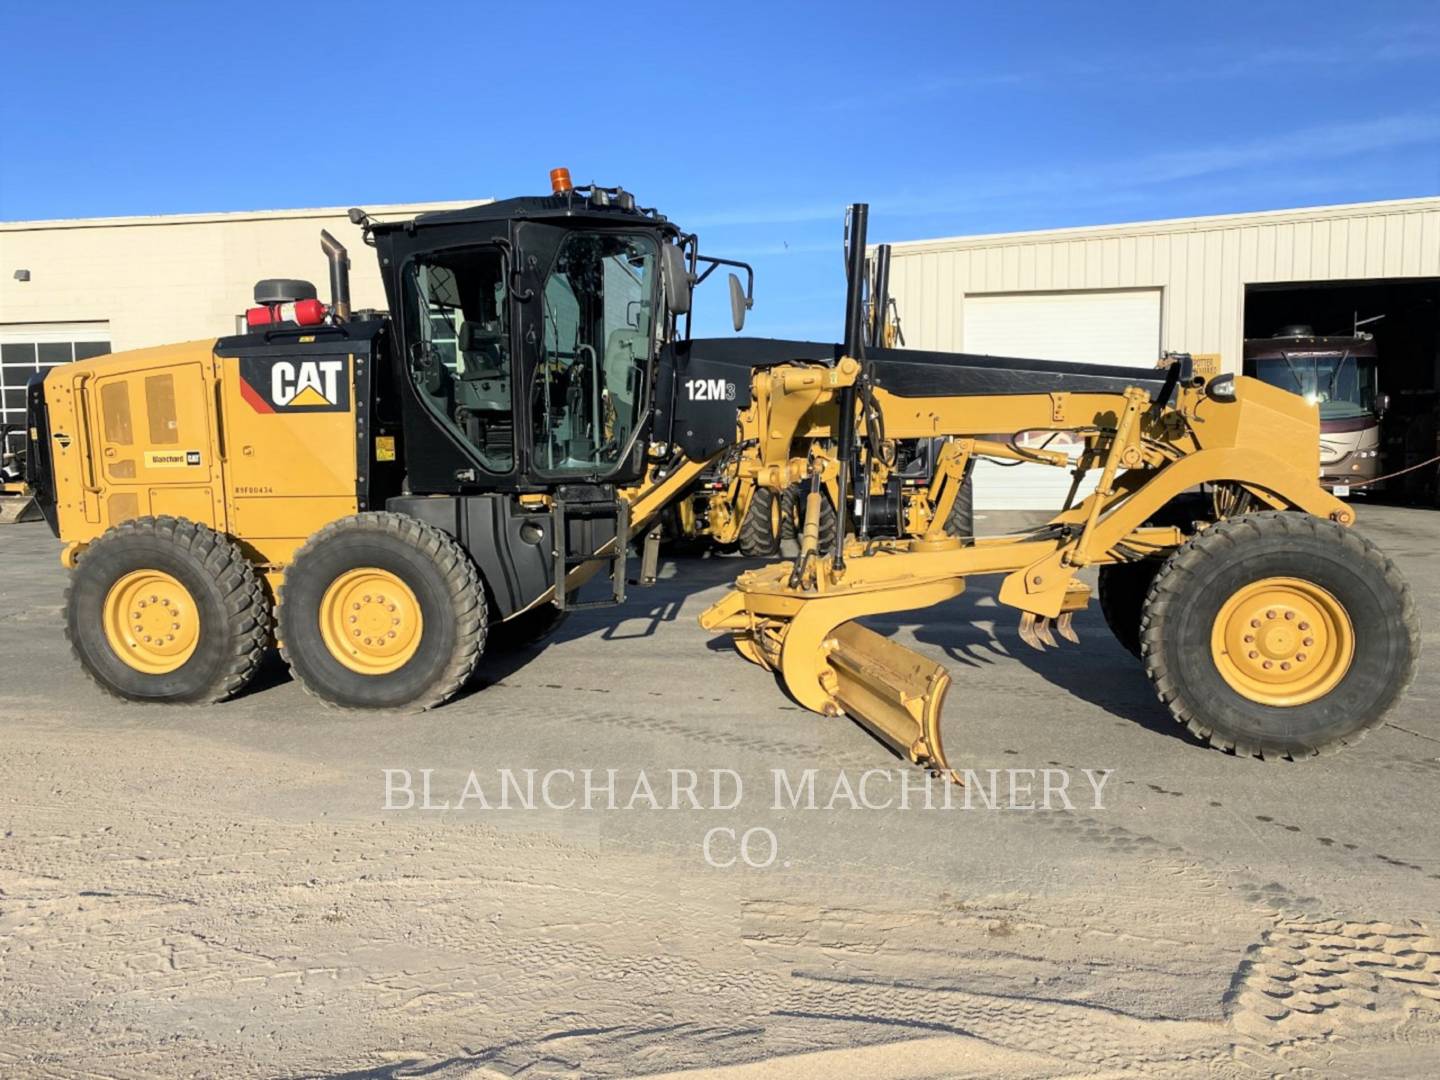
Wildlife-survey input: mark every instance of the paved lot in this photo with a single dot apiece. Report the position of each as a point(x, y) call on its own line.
point(222, 891)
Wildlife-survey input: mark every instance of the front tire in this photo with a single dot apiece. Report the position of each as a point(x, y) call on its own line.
point(382, 611)
point(1279, 635)
point(162, 609)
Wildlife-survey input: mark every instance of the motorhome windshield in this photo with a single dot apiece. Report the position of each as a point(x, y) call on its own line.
point(1342, 384)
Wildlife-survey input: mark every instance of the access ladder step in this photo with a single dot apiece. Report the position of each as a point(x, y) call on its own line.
point(586, 532)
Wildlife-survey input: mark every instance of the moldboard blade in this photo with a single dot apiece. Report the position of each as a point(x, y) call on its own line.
point(895, 692)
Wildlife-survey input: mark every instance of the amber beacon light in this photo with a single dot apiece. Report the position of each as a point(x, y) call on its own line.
point(560, 181)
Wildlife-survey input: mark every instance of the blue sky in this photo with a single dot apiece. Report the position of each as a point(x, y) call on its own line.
point(751, 124)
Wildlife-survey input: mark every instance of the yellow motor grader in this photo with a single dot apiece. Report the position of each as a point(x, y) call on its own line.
point(387, 494)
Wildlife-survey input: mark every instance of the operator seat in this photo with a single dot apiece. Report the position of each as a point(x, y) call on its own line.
point(625, 350)
point(482, 350)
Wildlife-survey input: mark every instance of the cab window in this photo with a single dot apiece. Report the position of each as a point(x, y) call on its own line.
point(589, 391)
point(459, 353)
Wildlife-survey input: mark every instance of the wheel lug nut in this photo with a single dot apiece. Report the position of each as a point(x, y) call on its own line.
point(1269, 664)
point(1300, 658)
point(1249, 638)
point(1285, 666)
point(1304, 626)
point(357, 633)
point(1254, 622)
point(354, 607)
point(366, 599)
point(1289, 614)
point(1269, 614)
point(391, 634)
point(1254, 655)
point(1308, 642)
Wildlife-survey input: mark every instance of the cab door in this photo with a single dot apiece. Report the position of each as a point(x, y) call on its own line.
point(587, 308)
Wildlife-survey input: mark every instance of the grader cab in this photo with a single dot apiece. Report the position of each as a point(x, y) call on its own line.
point(384, 495)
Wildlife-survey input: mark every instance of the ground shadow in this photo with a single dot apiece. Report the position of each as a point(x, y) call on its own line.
point(975, 628)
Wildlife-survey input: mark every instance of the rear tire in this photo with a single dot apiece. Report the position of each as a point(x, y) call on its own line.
point(760, 531)
point(1123, 589)
point(527, 629)
point(413, 595)
point(960, 522)
point(792, 517)
point(182, 584)
point(1334, 644)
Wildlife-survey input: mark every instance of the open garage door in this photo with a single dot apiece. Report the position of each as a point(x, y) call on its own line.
point(1111, 326)
point(1403, 315)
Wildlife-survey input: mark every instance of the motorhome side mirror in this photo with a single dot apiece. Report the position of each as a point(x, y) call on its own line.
point(1382, 404)
point(738, 303)
point(677, 279)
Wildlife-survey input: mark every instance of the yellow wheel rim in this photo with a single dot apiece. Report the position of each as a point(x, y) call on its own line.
point(1283, 641)
point(370, 621)
point(151, 622)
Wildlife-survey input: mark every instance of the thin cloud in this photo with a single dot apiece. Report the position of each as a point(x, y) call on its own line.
point(1328, 142)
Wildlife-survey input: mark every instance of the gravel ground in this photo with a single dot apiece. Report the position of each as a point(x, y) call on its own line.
point(234, 891)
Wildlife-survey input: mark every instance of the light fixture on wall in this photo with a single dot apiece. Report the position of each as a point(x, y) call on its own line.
point(22, 275)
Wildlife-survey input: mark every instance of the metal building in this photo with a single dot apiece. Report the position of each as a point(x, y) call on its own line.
point(84, 287)
point(1127, 294)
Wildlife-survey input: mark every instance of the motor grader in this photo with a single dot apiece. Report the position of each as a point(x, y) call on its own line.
point(385, 495)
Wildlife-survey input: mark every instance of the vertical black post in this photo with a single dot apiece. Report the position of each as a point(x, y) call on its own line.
point(854, 348)
point(880, 295)
point(879, 310)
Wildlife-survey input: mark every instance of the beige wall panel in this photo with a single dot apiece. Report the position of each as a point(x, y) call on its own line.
point(163, 279)
point(1202, 265)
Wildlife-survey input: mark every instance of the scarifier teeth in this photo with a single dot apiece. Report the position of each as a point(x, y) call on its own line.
point(1065, 627)
point(1042, 631)
point(1028, 632)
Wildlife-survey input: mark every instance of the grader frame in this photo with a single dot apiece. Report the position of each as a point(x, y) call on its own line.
point(798, 619)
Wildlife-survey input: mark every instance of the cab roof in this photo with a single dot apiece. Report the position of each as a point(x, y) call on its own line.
point(570, 207)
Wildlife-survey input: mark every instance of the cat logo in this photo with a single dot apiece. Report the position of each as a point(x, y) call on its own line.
point(294, 384)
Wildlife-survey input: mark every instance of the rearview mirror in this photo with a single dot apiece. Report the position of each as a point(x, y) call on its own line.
point(739, 304)
point(677, 279)
point(1382, 404)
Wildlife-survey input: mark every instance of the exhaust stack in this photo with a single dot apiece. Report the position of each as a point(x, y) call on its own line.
point(339, 260)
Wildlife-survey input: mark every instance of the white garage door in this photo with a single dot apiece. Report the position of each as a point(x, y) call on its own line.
point(1120, 327)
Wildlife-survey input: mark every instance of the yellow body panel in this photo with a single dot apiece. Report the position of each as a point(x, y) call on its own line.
point(170, 431)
